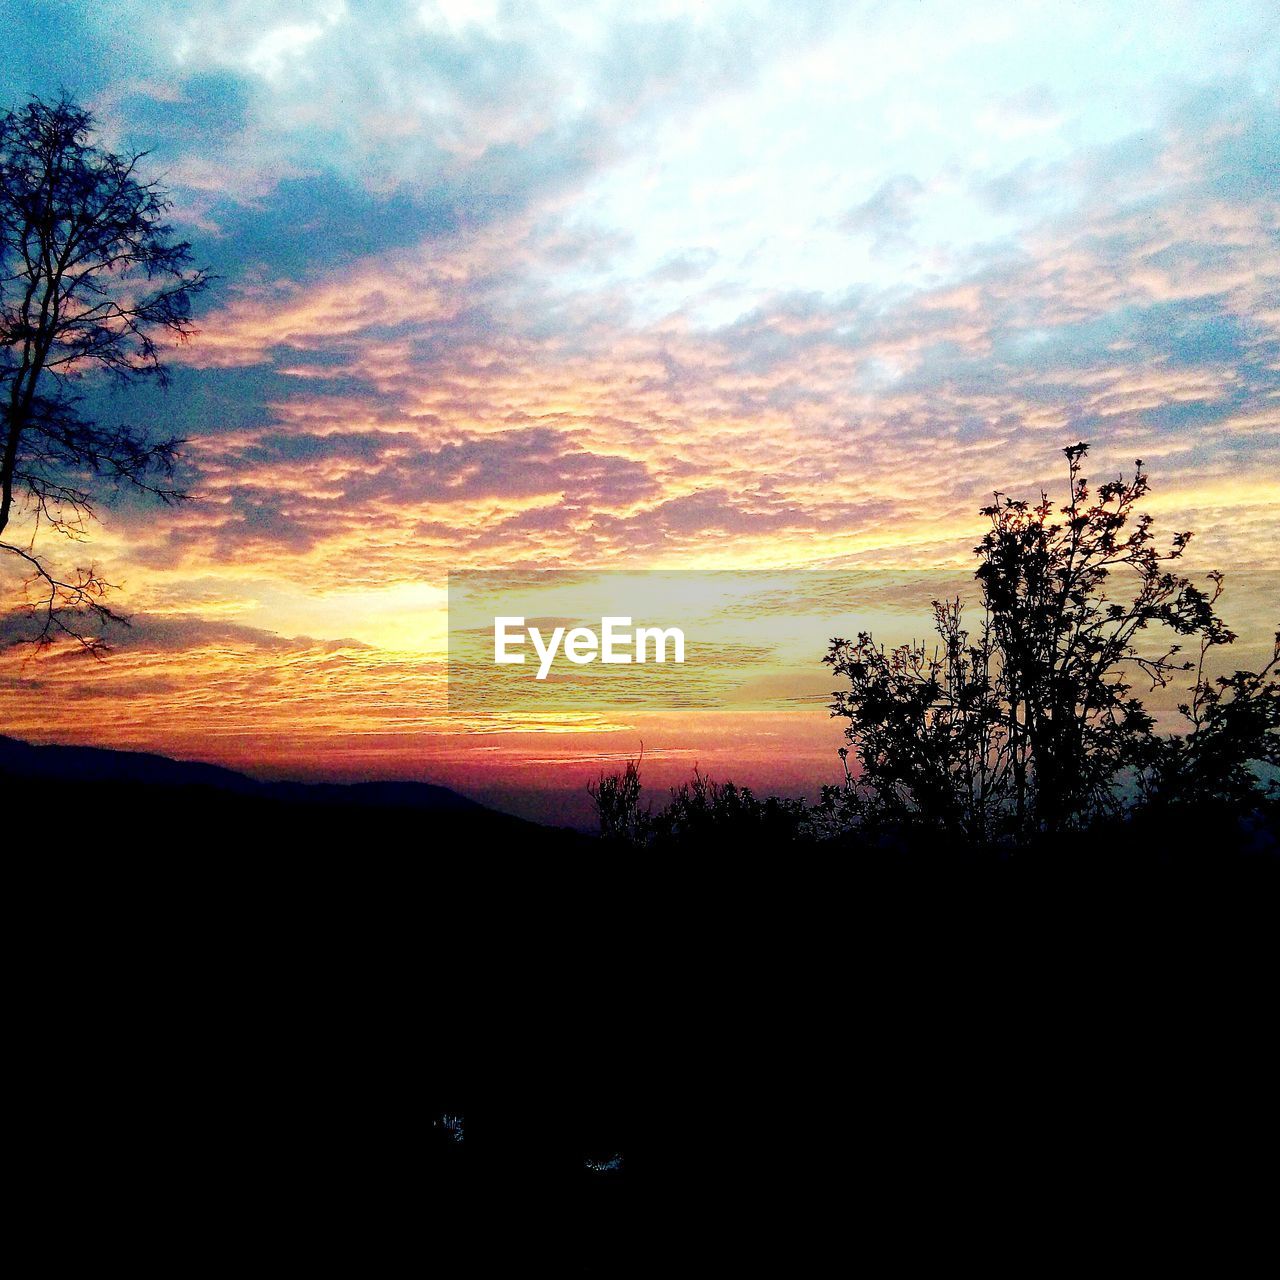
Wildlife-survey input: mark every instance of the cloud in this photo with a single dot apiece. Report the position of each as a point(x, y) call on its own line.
point(689, 265)
point(312, 123)
point(431, 402)
point(887, 215)
point(160, 634)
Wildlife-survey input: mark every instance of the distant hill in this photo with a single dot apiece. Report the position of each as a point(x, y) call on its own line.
point(210, 799)
point(100, 764)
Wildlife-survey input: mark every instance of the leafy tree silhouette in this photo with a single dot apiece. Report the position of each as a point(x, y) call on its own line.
point(1028, 724)
point(90, 279)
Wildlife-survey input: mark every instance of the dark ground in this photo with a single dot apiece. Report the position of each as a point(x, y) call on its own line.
point(234, 1018)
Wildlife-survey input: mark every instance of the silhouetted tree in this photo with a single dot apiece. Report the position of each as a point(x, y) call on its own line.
point(1029, 724)
point(90, 279)
point(930, 738)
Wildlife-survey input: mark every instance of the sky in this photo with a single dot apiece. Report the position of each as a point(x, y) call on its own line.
point(682, 285)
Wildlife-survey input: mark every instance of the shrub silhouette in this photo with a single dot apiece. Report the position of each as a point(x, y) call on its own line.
point(1028, 724)
point(701, 813)
point(617, 799)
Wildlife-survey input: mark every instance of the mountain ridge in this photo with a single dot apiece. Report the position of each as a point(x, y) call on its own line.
point(54, 762)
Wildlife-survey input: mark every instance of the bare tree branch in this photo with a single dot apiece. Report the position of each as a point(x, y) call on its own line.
point(91, 279)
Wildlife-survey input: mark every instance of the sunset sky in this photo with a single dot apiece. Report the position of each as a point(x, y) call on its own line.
point(678, 285)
